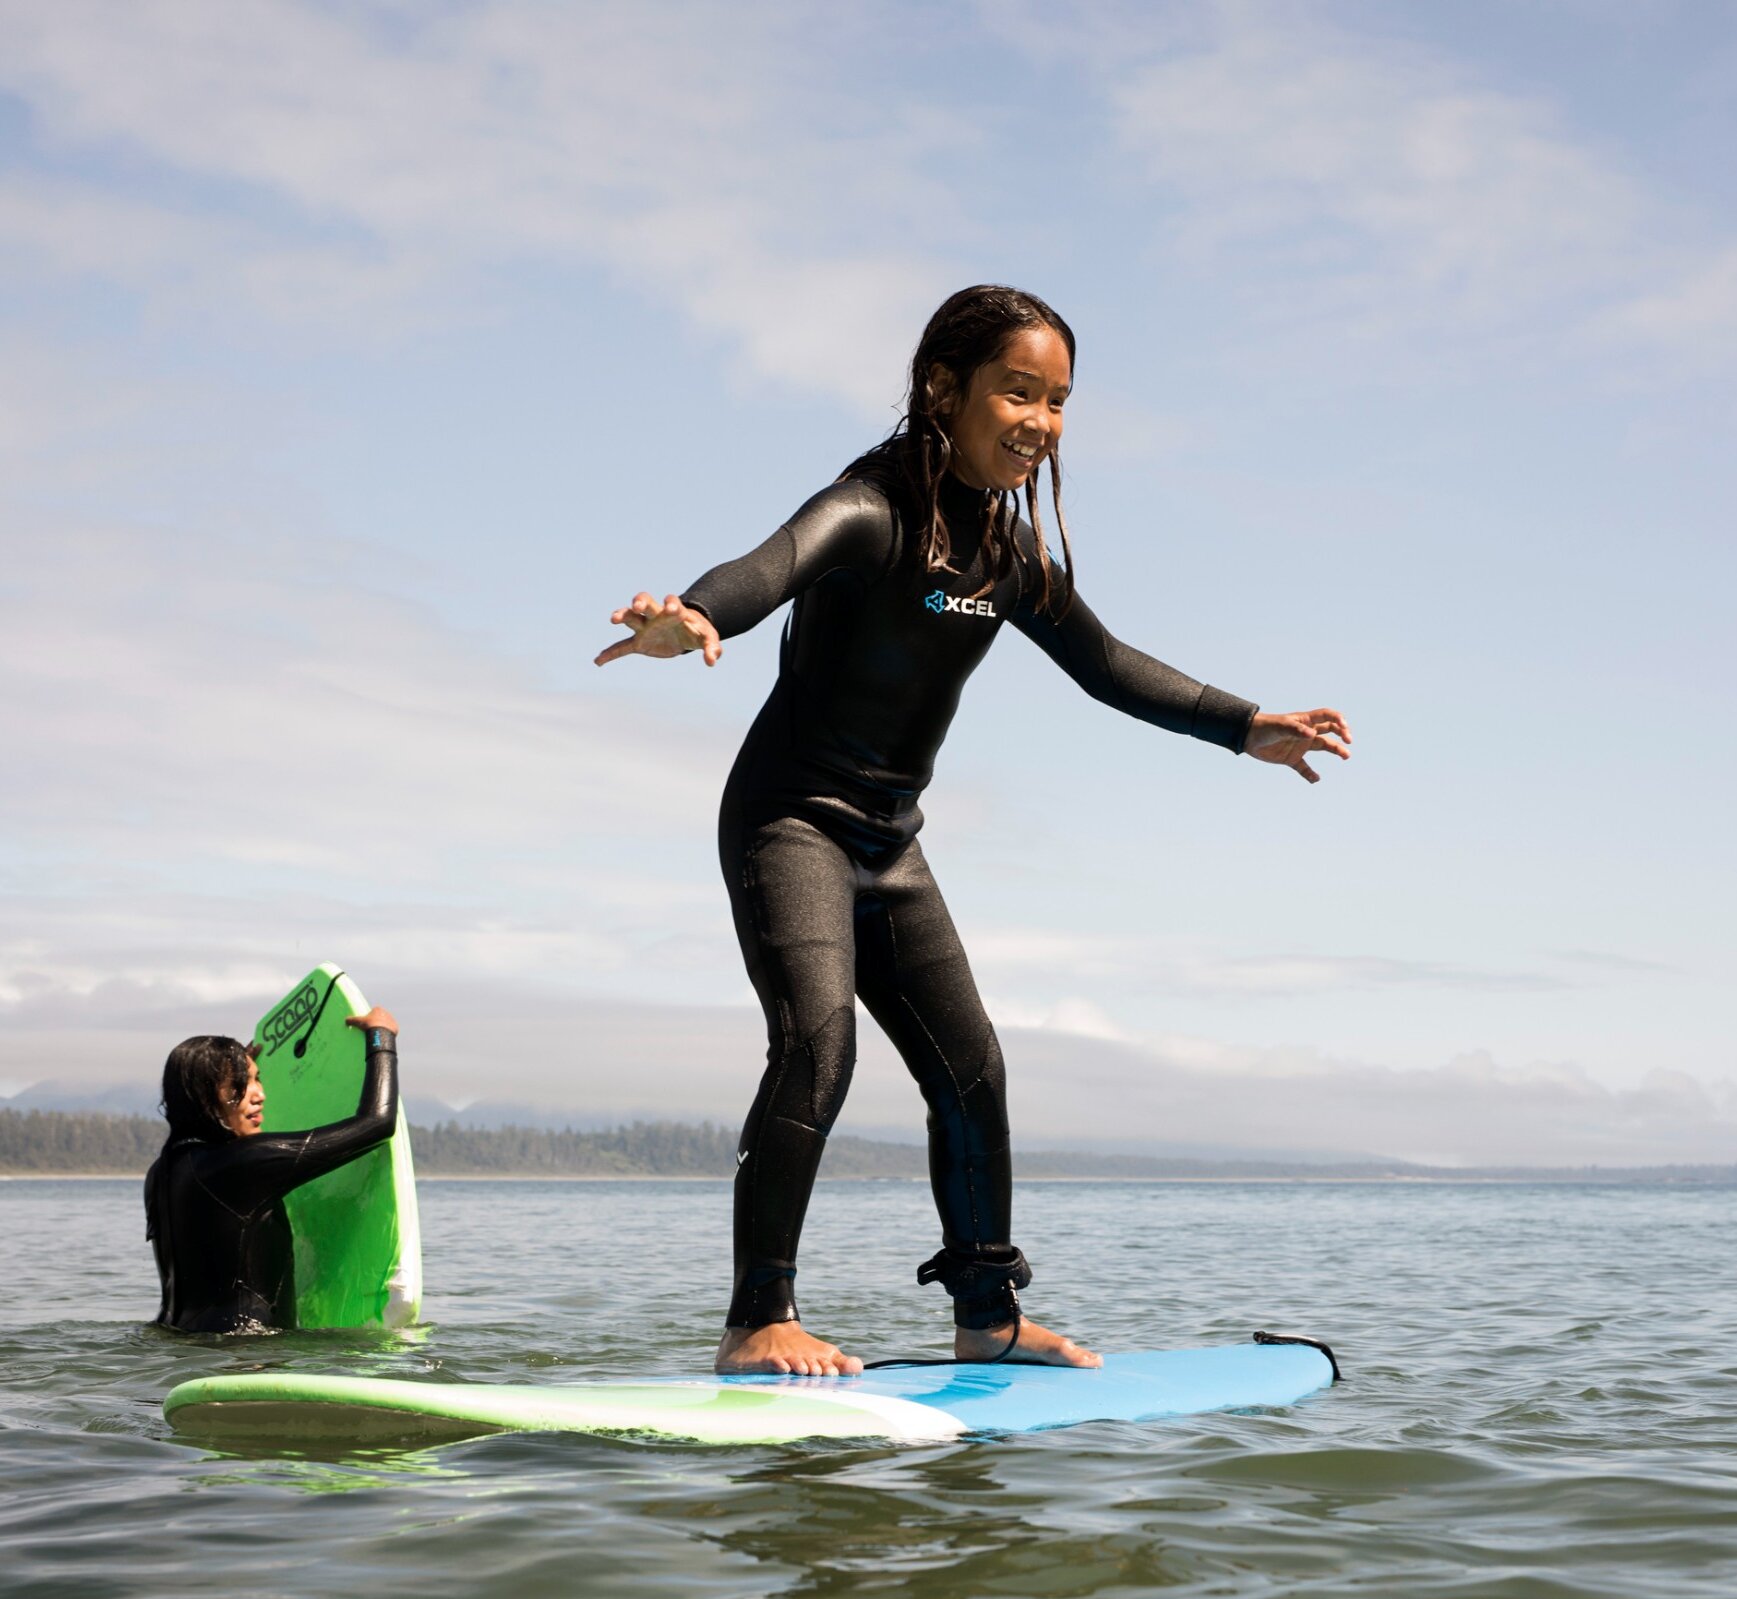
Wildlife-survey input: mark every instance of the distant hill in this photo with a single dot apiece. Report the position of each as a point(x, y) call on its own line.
point(43, 1142)
point(124, 1099)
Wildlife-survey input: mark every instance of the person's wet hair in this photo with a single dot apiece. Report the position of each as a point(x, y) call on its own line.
point(968, 330)
point(202, 1078)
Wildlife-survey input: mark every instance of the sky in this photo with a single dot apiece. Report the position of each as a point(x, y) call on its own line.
point(357, 359)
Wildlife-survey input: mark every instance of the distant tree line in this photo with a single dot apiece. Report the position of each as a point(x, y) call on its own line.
point(94, 1142)
point(81, 1141)
point(666, 1149)
point(642, 1149)
point(48, 1141)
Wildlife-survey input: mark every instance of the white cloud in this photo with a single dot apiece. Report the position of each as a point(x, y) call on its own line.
point(597, 1059)
point(1353, 187)
point(1469, 1111)
point(363, 173)
point(256, 703)
point(226, 761)
point(1302, 133)
point(1071, 1014)
point(720, 168)
point(1695, 316)
point(74, 227)
point(1614, 962)
point(1032, 955)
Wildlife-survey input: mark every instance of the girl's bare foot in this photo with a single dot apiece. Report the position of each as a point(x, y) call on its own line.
point(784, 1348)
point(1038, 1346)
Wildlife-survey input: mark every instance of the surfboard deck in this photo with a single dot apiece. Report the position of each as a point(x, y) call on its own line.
point(906, 1404)
point(358, 1241)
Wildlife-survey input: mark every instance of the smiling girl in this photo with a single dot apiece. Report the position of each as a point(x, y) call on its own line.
point(903, 572)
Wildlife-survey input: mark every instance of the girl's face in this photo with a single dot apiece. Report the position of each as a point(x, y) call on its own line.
point(1010, 417)
point(245, 1114)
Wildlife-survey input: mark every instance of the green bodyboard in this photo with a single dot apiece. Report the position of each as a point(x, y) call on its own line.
point(358, 1247)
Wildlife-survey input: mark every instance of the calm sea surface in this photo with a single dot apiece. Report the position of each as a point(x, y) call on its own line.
point(1541, 1401)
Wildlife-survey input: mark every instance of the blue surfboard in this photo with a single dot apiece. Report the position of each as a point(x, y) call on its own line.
point(908, 1404)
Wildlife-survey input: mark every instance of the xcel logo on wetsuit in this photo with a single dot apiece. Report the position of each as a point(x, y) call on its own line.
point(939, 602)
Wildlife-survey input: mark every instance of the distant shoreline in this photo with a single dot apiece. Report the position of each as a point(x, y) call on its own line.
point(1615, 1177)
point(95, 1146)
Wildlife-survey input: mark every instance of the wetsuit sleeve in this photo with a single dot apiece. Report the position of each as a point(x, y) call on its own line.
point(1127, 680)
point(251, 1171)
point(847, 527)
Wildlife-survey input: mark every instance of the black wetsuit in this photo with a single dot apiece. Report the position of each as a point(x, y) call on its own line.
point(215, 1209)
point(830, 892)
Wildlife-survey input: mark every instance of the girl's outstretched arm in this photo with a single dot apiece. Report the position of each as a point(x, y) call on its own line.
point(846, 526)
point(1132, 682)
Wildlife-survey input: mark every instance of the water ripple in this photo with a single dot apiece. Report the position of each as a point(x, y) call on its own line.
point(1541, 1400)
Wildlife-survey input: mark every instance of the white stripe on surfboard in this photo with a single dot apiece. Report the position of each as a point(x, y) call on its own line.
point(901, 1419)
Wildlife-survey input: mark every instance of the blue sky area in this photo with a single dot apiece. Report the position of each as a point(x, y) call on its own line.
point(356, 360)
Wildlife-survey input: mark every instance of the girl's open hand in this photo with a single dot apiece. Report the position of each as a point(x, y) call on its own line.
point(1286, 739)
point(662, 631)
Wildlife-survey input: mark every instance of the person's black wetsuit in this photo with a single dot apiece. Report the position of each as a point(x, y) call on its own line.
point(215, 1209)
point(830, 892)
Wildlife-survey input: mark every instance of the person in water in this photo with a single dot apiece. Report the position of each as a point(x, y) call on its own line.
point(903, 572)
point(214, 1196)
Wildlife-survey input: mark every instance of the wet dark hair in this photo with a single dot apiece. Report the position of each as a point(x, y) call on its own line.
point(202, 1078)
point(970, 329)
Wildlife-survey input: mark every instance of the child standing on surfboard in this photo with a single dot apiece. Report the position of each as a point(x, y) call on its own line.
point(903, 572)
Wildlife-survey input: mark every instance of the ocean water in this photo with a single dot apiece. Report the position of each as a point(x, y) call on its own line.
point(1541, 1400)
